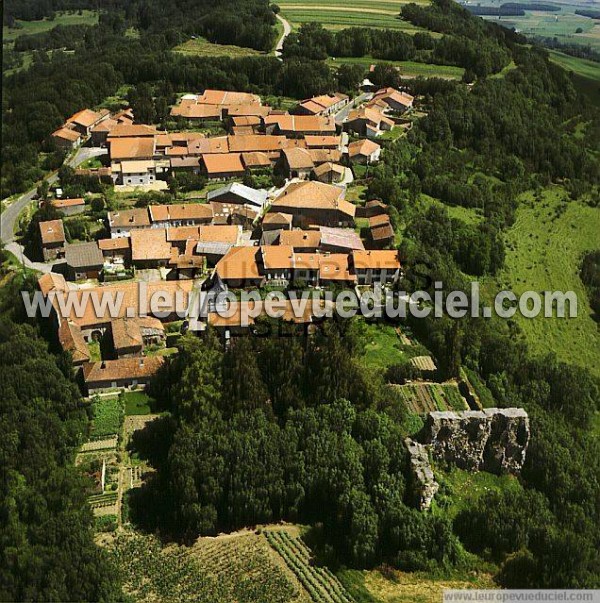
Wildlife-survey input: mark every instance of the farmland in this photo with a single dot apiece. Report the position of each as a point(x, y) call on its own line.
point(383, 346)
point(582, 67)
point(543, 252)
point(322, 585)
point(338, 14)
point(238, 567)
point(108, 417)
point(421, 398)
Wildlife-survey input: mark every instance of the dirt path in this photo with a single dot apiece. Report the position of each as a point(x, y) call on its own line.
point(287, 30)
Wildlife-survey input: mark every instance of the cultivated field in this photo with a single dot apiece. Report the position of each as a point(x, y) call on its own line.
point(339, 14)
point(239, 568)
point(543, 252)
point(421, 398)
point(108, 417)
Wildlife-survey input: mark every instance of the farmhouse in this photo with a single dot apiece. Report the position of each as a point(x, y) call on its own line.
point(226, 98)
point(121, 373)
point(277, 220)
point(379, 266)
point(134, 173)
point(301, 240)
point(116, 249)
point(315, 203)
point(327, 104)
point(52, 236)
point(239, 268)
point(126, 337)
point(323, 142)
point(69, 207)
point(129, 130)
point(139, 148)
point(71, 340)
point(391, 100)
point(84, 260)
point(123, 222)
point(364, 151)
point(195, 112)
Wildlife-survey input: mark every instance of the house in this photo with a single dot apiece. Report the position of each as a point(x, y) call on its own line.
point(247, 110)
point(328, 172)
point(52, 236)
point(364, 152)
point(244, 124)
point(374, 207)
point(150, 248)
point(135, 173)
point(126, 148)
point(334, 269)
point(120, 373)
point(323, 142)
point(215, 241)
point(265, 143)
point(276, 263)
point(129, 130)
point(196, 113)
point(277, 221)
point(339, 240)
point(185, 164)
point(315, 203)
point(256, 160)
point(239, 268)
point(381, 231)
point(180, 214)
point(84, 260)
point(299, 125)
point(376, 266)
point(391, 100)
point(240, 194)
point(223, 166)
point(326, 104)
point(126, 337)
point(66, 139)
point(234, 213)
point(72, 341)
point(69, 207)
point(301, 240)
point(99, 133)
point(85, 120)
point(368, 122)
point(123, 222)
point(297, 163)
point(227, 98)
point(116, 249)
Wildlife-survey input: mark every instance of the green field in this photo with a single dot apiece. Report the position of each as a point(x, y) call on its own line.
point(137, 403)
point(582, 67)
point(408, 69)
point(383, 346)
point(339, 14)
point(87, 17)
point(108, 416)
point(201, 47)
point(543, 253)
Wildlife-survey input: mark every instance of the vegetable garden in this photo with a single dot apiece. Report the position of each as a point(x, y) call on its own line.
point(421, 398)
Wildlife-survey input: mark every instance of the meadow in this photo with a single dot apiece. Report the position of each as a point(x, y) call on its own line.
point(544, 249)
point(200, 47)
point(409, 69)
point(582, 67)
point(87, 17)
point(108, 417)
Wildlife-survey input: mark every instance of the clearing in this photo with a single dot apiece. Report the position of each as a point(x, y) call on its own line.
point(87, 17)
point(408, 69)
point(201, 47)
point(544, 249)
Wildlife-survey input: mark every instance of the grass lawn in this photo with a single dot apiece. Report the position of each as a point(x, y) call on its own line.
point(88, 17)
point(108, 417)
point(543, 253)
point(409, 69)
point(137, 403)
point(200, 47)
point(383, 346)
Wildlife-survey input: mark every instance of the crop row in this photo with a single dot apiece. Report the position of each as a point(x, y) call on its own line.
point(320, 583)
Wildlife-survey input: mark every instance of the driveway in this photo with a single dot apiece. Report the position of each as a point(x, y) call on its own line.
point(287, 30)
point(342, 115)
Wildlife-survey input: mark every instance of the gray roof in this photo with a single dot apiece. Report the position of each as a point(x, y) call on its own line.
point(341, 237)
point(256, 197)
point(83, 255)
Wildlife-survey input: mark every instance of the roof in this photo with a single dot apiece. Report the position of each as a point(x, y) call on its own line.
point(114, 244)
point(132, 131)
point(85, 118)
point(345, 238)
point(364, 147)
point(246, 120)
point(60, 203)
point(253, 196)
point(213, 248)
point(244, 109)
point(317, 142)
point(298, 159)
point(277, 257)
point(224, 97)
point(219, 234)
point(278, 218)
point(180, 211)
point(390, 94)
point(314, 195)
point(325, 155)
point(132, 148)
point(321, 103)
point(84, 255)
point(327, 167)
point(301, 123)
point(256, 159)
point(140, 166)
point(183, 233)
point(52, 231)
point(150, 244)
point(257, 142)
point(126, 334)
point(108, 371)
point(128, 218)
point(52, 281)
point(71, 340)
point(201, 146)
point(190, 109)
point(67, 134)
point(105, 125)
point(371, 115)
point(300, 239)
point(223, 163)
point(376, 259)
point(184, 162)
point(335, 267)
point(379, 220)
point(239, 263)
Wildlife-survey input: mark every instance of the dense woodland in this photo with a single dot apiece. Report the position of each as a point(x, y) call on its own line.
point(309, 434)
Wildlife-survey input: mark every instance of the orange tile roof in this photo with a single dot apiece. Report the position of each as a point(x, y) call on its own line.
point(113, 244)
point(247, 110)
point(298, 159)
point(379, 220)
point(60, 203)
point(52, 231)
point(132, 131)
point(314, 195)
point(223, 97)
point(300, 238)
point(71, 340)
point(219, 234)
point(85, 118)
point(277, 217)
point(277, 257)
point(150, 244)
point(219, 144)
point(132, 148)
point(183, 233)
point(376, 259)
point(52, 281)
point(108, 371)
point(223, 163)
point(321, 103)
point(327, 167)
point(317, 142)
point(239, 263)
point(180, 211)
point(362, 147)
point(257, 142)
point(105, 125)
point(302, 123)
point(256, 159)
point(67, 134)
point(126, 333)
point(335, 267)
point(125, 218)
point(190, 109)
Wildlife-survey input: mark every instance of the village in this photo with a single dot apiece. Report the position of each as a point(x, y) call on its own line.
point(302, 234)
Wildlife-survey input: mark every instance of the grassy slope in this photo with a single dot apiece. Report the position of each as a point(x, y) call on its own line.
point(544, 253)
point(408, 68)
point(203, 48)
point(32, 27)
point(582, 67)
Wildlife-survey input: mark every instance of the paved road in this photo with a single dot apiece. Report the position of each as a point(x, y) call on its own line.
point(287, 30)
point(342, 115)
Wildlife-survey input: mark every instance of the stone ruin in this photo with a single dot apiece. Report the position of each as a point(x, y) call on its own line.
point(493, 440)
